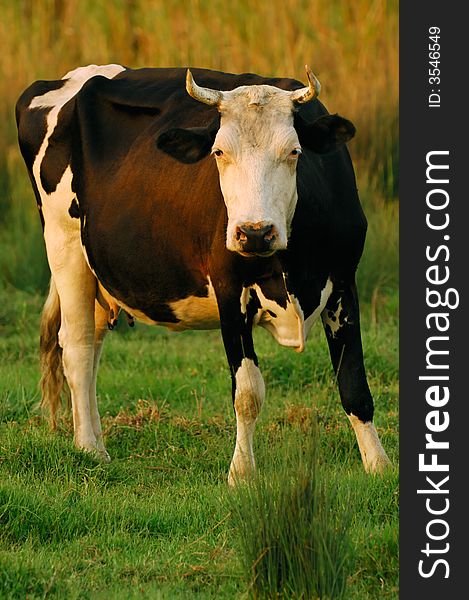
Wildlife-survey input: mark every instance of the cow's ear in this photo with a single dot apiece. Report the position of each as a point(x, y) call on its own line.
point(188, 145)
point(326, 133)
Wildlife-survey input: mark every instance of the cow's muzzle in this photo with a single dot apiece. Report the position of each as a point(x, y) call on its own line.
point(257, 238)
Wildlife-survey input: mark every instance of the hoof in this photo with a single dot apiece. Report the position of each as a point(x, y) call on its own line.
point(100, 455)
point(233, 480)
point(379, 465)
point(374, 457)
point(240, 475)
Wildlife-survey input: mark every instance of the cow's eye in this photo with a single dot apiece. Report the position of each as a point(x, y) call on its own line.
point(218, 152)
point(295, 152)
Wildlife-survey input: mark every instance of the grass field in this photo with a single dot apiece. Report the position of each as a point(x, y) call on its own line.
point(156, 522)
point(159, 522)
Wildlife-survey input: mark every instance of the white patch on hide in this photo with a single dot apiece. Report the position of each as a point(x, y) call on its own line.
point(333, 321)
point(287, 326)
point(56, 99)
point(74, 81)
point(55, 209)
point(249, 397)
point(195, 312)
point(244, 301)
point(325, 294)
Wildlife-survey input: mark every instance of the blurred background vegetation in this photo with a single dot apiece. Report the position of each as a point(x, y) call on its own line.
point(351, 45)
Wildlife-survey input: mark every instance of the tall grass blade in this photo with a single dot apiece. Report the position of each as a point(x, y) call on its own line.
point(292, 534)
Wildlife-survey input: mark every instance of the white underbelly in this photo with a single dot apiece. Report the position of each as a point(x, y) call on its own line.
point(287, 325)
point(195, 312)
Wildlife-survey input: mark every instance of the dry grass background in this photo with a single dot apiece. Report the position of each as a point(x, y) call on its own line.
point(351, 45)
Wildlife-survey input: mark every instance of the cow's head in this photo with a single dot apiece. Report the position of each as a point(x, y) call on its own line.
point(256, 147)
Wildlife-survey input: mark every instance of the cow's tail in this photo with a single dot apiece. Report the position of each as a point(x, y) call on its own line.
point(52, 373)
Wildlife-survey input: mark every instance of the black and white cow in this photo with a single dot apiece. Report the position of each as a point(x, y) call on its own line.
point(229, 205)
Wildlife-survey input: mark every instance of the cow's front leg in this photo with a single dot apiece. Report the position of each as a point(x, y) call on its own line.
point(248, 396)
point(248, 389)
point(341, 320)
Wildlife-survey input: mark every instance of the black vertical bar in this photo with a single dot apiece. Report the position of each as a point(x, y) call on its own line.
point(434, 123)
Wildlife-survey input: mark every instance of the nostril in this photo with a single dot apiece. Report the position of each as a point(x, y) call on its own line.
point(269, 235)
point(241, 235)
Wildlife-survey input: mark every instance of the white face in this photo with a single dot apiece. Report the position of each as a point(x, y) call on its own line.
point(257, 150)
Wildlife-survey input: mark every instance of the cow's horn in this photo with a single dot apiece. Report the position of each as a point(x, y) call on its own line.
point(205, 95)
point(309, 93)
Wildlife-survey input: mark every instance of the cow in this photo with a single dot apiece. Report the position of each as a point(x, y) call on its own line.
point(195, 199)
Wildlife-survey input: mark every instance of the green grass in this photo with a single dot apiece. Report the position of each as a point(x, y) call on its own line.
point(292, 532)
point(156, 522)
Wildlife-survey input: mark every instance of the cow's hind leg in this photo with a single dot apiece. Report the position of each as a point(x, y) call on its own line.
point(341, 322)
point(52, 373)
point(101, 328)
point(76, 288)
